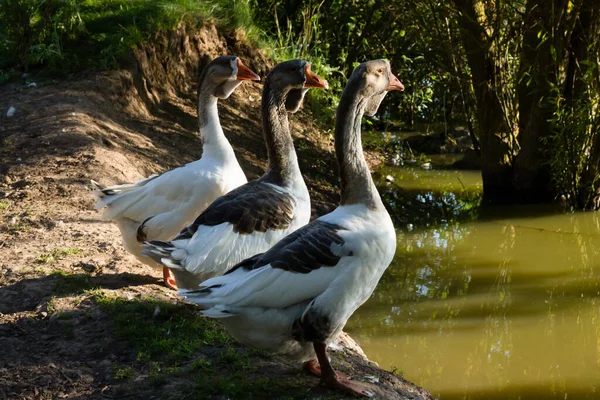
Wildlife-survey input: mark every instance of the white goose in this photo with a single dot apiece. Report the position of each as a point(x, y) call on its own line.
point(166, 203)
point(252, 218)
point(295, 298)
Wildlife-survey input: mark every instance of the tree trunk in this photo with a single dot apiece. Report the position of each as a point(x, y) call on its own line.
point(467, 113)
point(493, 128)
point(532, 176)
point(584, 46)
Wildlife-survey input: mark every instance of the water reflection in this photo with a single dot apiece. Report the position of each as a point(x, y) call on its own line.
point(497, 309)
point(419, 197)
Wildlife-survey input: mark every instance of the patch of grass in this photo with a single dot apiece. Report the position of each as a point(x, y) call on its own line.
point(50, 306)
point(123, 372)
point(175, 341)
point(305, 44)
point(202, 364)
point(73, 35)
point(238, 360)
point(240, 385)
point(16, 227)
point(70, 284)
point(7, 146)
point(4, 205)
point(57, 254)
point(161, 332)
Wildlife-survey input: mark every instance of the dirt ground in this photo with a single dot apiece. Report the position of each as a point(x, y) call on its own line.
point(70, 296)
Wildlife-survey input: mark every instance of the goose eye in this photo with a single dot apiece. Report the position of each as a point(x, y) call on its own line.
point(380, 70)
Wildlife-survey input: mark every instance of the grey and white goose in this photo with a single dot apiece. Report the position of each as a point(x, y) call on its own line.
point(295, 298)
point(253, 217)
point(166, 203)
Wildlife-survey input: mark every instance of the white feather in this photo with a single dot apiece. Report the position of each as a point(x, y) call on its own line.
point(175, 198)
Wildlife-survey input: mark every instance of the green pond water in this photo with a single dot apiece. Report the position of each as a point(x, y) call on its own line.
point(501, 307)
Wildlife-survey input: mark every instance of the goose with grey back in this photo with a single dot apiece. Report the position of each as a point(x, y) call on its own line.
point(253, 217)
point(295, 298)
point(160, 206)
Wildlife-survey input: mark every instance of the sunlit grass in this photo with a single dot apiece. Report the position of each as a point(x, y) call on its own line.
point(57, 254)
point(95, 34)
point(288, 44)
point(174, 340)
point(160, 331)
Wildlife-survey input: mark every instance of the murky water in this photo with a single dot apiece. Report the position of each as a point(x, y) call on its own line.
point(501, 308)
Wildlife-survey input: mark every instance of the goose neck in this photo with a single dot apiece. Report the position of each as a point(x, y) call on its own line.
point(357, 186)
point(283, 163)
point(213, 138)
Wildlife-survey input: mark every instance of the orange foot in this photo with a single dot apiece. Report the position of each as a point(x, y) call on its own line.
point(313, 367)
point(169, 278)
point(342, 382)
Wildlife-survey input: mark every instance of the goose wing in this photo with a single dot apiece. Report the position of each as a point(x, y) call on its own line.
point(235, 226)
point(170, 191)
point(299, 267)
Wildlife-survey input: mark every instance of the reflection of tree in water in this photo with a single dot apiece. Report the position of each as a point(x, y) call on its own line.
point(439, 205)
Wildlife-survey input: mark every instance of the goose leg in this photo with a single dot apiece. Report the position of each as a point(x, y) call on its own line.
point(331, 379)
point(169, 278)
point(313, 367)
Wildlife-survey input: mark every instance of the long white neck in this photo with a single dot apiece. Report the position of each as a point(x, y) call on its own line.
point(214, 142)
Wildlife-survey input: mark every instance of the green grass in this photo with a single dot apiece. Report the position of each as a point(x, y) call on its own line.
point(7, 146)
point(123, 372)
point(173, 343)
point(81, 35)
point(67, 284)
point(17, 227)
point(4, 205)
point(95, 34)
point(57, 254)
point(287, 44)
point(160, 331)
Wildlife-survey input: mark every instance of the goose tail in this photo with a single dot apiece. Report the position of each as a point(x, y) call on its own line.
point(105, 195)
point(164, 253)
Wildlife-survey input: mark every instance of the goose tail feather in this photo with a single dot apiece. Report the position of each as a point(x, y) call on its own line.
point(164, 253)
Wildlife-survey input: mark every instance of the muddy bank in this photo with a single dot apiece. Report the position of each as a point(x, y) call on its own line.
point(81, 318)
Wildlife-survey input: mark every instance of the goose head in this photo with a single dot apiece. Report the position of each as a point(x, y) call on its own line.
point(295, 77)
point(224, 74)
point(374, 79)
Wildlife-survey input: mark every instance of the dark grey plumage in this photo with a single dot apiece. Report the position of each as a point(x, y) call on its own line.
point(303, 251)
point(312, 326)
point(256, 206)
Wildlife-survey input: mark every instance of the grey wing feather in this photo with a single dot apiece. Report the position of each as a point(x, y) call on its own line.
point(303, 251)
point(255, 206)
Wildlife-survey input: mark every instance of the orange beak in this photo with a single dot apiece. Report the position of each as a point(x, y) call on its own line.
point(245, 74)
point(395, 84)
point(313, 80)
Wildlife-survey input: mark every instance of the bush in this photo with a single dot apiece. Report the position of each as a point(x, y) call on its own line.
point(70, 35)
point(33, 31)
